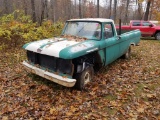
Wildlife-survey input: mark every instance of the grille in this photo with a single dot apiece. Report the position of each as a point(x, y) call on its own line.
point(51, 63)
point(48, 62)
point(32, 57)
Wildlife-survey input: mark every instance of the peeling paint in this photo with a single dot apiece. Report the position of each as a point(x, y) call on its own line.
point(78, 48)
point(82, 46)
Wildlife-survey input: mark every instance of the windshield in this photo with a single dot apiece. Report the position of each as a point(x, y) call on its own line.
point(89, 30)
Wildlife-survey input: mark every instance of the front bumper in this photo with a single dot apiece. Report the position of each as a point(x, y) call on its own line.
point(68, 82)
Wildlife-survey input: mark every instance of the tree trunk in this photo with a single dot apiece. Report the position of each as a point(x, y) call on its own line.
point(80, 14)
point(110, 8)
point(126, 13)
point(46, 9)
point(147, 10)
point(75, 11)
point(97, 8)
point(54, 7)
point(33, 10)
point(25, 7)
point(140, 11)
point(6, 9)
point(42, 11)
point(115, 11)
point(70, 9)
point(150, 17)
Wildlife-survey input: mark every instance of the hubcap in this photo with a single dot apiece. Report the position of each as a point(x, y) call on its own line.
point(87, 77)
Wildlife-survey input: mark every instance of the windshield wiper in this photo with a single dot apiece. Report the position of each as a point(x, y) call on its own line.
point(81, 29)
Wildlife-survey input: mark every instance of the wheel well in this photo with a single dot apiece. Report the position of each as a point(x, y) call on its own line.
point(92, 59)
point(156, 32)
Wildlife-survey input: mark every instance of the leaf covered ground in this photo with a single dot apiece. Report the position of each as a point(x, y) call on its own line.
point(126, 89)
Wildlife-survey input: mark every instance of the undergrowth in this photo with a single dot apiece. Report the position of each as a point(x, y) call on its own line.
point(17, 29)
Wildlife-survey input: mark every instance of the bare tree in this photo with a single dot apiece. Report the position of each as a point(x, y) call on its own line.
point(126, 13)
point(110, 8)
point(70, 10)
point(80, 12)
point(139, 10)
point(6, 9)
point(115, 11)
point(147, 10)
point(44, 10)
point(25, 7)
point(150, 17)
point(97, 8)
point(54, 9)
point(75, 11)
point(33, 10)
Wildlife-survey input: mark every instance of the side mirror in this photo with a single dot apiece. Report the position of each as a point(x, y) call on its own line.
point(150, 25)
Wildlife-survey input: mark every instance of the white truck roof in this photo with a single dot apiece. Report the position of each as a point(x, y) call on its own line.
point(93, 19)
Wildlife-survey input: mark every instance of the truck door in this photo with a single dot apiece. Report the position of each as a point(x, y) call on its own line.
point(111, 43)
point(146, 28)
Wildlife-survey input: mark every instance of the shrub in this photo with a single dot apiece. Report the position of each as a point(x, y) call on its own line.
point(17, 29)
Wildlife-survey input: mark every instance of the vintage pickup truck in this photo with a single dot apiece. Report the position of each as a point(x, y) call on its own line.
point(84, 46)
point(147, 28)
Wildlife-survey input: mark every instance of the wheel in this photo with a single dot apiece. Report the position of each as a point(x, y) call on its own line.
point(157, 36)
point(84, 77)
point(127, 55)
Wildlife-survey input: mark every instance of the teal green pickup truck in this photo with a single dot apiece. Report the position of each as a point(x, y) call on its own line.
point(84, 47)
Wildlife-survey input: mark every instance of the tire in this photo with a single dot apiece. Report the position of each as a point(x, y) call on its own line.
point(127, 55)
point(84, 78)
point(157, 36)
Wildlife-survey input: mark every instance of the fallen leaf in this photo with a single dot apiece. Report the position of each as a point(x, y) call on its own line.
point(140, 110)
point(69, 113)
point(73, 109)
point(5, 118)
point(53, 110)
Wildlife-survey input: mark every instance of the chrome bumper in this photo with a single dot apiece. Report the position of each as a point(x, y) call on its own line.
point(50, 76)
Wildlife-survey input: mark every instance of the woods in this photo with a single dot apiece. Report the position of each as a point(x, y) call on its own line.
point(56, 10)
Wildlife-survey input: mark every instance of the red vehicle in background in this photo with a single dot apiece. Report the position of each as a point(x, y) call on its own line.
point(147, 28)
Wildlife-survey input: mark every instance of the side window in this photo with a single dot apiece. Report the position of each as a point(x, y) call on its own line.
point(136, 24)
point(108, 31)
point(146, 23)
